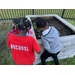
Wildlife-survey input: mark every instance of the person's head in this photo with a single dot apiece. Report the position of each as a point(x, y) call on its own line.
point(15, 21)
point(42, 24)
point(24, 25)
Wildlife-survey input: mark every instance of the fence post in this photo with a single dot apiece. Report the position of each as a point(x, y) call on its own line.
point(63, 13)
point(33, 11)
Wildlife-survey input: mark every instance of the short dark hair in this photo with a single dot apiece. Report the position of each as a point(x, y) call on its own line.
point(41, 23)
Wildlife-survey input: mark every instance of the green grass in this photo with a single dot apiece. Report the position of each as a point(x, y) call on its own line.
point(71, 21)
point(67, 61)
point(5, 52)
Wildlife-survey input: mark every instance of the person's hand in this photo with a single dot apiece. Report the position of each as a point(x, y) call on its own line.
point(39, 52)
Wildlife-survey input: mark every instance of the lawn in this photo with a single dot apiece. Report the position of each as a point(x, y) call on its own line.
point(6, 25)
point(71, 21)
point(5, 52)
point(67, 61)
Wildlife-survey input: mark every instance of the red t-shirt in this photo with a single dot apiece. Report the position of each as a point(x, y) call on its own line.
point(22, 49)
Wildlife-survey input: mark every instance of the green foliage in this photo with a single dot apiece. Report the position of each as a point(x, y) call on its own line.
point(39, 31)
point(71, 21)
point(67, 61)
point(34, 26)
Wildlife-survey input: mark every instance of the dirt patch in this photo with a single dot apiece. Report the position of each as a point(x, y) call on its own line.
point(63, 29)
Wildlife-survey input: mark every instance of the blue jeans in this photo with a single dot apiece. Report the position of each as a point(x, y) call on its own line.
point(46, 54)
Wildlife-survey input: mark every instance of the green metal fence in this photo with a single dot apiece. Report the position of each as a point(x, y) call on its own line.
point(6, 14)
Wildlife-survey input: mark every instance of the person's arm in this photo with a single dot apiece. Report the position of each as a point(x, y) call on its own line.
point(46, 44)
point(36, 47)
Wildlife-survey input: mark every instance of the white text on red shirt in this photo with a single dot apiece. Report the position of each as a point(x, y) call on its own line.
point(16, 47)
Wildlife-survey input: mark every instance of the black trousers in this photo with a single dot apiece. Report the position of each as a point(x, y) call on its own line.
point(46, 54)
